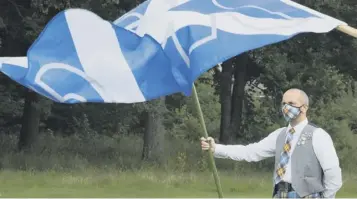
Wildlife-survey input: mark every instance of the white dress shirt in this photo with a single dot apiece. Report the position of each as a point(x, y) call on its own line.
point(322, 145)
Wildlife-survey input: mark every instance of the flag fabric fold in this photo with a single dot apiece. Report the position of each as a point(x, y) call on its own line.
point(80, 57)
point(159, 48)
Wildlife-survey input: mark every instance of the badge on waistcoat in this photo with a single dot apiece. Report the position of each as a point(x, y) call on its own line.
point(304, 137)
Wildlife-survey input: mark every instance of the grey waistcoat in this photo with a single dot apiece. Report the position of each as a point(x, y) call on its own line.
point(307, 175)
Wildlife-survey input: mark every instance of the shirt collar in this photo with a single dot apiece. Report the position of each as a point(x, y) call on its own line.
point(299, 126)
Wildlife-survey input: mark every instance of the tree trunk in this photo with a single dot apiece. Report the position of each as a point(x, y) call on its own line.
point(154, 132)
point(148, 136)
point(226, 101)
point(30, 121)
point(240, 72)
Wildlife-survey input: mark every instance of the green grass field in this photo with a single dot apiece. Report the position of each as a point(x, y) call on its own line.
point(98, 184)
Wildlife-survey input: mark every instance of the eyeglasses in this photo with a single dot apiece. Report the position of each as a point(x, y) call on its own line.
point(293, 104)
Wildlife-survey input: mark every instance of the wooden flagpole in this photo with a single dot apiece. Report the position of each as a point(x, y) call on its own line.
point(348, 30)
point(205, 134)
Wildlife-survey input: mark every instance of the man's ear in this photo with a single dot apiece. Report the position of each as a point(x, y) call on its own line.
point(304, 108)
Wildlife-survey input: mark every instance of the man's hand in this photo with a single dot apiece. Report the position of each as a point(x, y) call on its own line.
point(205, 144)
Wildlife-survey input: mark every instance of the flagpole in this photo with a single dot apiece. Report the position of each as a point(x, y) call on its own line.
point(204, 134)
point(348, 30)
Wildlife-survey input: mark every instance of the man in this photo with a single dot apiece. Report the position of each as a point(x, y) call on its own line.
point(306, 163)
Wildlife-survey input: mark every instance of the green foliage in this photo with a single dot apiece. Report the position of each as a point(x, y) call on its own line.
point(186, 119)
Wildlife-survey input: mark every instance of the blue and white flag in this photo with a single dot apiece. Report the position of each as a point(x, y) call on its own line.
point(159, 48)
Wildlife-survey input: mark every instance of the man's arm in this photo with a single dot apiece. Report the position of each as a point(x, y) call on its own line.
point(327, 156)
point(252, 152)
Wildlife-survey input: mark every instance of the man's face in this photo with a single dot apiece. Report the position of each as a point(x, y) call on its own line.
point(294, 98)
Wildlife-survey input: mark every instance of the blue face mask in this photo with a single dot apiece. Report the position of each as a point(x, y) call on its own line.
point(290, 112)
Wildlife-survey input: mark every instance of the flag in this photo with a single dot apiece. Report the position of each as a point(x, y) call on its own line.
point(79, 57)
point(159, 48)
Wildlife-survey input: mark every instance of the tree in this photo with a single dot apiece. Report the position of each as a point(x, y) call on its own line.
point(226, 82)
point(30, 120)
point(232, 84)
point(154, 133)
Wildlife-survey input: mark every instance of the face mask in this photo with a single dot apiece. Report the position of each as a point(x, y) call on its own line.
point(290, 112)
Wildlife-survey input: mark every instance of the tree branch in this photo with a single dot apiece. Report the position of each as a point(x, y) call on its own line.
point(16, 7)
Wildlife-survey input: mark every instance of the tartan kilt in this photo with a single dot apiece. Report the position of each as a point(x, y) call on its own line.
point(293, 194)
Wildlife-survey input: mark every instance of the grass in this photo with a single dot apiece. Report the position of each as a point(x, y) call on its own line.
point(142, 183)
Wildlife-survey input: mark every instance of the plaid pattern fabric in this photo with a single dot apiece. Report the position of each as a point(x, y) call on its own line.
point(293, 194)
point(290, 111)
point(284, 158)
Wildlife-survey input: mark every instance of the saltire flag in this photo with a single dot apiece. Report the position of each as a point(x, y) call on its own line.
point(159, 48)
